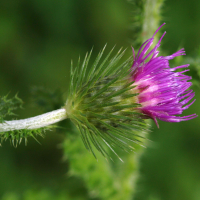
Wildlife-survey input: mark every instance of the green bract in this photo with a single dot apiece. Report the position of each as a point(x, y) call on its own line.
point(102, 105)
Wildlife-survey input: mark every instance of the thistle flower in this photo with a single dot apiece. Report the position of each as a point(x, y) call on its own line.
point(109, 101)
point(162, 91)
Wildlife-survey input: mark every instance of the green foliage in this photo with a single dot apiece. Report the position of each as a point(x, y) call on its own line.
point(7, 106)
point(46, 99)
point(106, 180)
point(102, 104)
point(39, 195)
point(17, 136)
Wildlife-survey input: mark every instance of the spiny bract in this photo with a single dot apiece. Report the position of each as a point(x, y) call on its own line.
point(101, 104)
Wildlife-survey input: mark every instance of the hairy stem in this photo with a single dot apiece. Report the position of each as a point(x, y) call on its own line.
point(34, 122)
point(152, 16)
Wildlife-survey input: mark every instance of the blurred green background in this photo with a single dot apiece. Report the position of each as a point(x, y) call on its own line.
point(38, 39)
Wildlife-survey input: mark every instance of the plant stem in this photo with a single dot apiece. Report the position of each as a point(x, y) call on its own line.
point(152, 16)
point(34, 122)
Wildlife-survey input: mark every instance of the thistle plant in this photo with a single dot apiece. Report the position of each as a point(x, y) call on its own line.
point(113, 99)
point(110, 100)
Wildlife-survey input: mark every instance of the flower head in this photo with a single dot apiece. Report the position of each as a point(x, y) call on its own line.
point(162, 91)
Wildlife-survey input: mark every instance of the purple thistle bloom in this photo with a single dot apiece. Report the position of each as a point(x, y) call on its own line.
point(162, 91)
